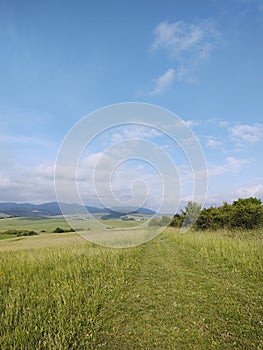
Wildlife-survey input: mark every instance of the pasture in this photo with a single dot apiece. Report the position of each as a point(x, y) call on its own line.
point(179, 291)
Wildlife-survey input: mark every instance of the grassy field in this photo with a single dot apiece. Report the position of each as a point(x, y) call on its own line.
point(178, 291)
point(37, 224)
point(49, 224)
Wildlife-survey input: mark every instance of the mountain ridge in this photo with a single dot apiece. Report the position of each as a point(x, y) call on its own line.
point(54, 208)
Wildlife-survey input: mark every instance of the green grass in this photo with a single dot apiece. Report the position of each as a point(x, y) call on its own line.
point(49, 224)
point(120, 223)
point(180, 291)
point(6, 236)
point(34, 223)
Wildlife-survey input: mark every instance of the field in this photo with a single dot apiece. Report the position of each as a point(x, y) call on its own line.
point(179, 291)
point(35, 223)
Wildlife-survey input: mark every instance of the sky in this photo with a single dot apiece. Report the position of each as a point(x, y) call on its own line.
point(62, 60)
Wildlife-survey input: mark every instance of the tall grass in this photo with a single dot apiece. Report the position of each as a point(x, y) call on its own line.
point(240, 251)
point(60, 298)
point(179, 291)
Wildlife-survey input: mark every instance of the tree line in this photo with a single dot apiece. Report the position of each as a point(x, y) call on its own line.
point(244, 213)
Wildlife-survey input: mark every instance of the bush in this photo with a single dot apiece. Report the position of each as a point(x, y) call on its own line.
point(177, 221)
point(241, 214)
point(59, 230)
point(62, 230)
point(247, 214)
point(19, 233)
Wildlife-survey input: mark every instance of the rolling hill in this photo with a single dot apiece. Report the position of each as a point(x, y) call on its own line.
point(53, 208)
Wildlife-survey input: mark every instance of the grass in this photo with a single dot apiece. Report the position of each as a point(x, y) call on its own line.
point(179, 291)
point(34, 223)
point(5, 236)
point(49, 224)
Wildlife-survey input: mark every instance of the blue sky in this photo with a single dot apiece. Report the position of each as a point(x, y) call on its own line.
point(61, 60)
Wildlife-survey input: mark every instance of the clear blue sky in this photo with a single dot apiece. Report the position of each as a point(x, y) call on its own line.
point(61, 60)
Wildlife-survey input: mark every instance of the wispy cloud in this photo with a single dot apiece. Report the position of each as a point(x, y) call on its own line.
point(187, 44)
point(22, 140)
point(250, 191)
point(140, 132)
point(213, 142)
point(162, 83)
point(223, 123)
point(180, 38)
point(191, 123)
point(249, 133)
point(232, 165)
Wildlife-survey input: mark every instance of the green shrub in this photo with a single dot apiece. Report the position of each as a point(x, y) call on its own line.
point(59, 230)
point(247, 214)
point(19, 233)
point(177, 221)
point(62, 230)
point(241, 214)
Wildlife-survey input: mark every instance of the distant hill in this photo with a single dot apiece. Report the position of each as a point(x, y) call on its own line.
point(131, 210)
point(53, 208)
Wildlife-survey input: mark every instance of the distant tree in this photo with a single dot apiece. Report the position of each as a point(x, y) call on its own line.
point(188, 216)
point(62, 230)
point(191, 213)
point(59, 230)
point(19, 233)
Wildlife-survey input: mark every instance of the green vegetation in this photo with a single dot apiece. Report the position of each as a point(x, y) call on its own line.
point(18, 233)
point(244, 214)
point(62, 230)
point(164, 221)
point(5, 236)
point(34, 224)
point(197, 290)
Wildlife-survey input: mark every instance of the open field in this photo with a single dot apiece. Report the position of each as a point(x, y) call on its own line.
point(178, 291)
point(113, 233)
point(48, 224)
point(35, 223)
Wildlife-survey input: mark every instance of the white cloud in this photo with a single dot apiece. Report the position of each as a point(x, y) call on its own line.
point(213, 142)
point(134, 131)
point(249, 133)
point(255, 190)
point(250, 191)
point(223, 123)
point(44, 170)
point(191, 123)
point(180, 38)
point(232, 165)
point(162, 83)
point(188, 44)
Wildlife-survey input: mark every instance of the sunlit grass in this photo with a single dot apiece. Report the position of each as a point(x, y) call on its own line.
point(179, 291)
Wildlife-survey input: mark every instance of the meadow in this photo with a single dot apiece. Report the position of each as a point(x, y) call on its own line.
point(197, 290)
point(37, 224)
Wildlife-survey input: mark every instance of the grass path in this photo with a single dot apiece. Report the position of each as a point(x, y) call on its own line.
point(179, 300)
point(179, 291)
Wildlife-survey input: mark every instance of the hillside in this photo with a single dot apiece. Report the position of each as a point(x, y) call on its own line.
point(53, 208)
